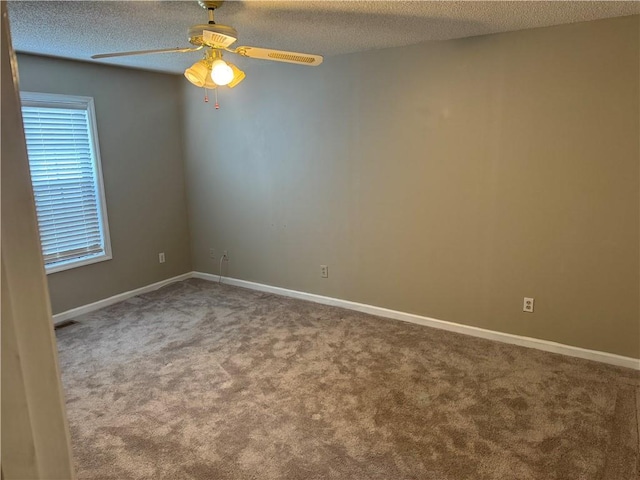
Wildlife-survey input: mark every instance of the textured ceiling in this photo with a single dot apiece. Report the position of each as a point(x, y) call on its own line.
point(80, 29)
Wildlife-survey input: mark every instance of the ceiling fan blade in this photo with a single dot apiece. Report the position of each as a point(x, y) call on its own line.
point(279, 55)
point(144, 52)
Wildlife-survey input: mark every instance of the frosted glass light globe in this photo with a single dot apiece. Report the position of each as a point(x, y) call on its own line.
point(221, 73)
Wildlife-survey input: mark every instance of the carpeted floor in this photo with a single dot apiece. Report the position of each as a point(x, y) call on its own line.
point(206, 381)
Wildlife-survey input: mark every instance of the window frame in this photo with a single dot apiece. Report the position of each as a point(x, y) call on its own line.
point(76, 102)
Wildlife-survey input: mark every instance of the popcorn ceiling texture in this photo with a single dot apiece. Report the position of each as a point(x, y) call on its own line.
point(78, 30)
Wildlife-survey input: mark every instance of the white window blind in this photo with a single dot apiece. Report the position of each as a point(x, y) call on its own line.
point(67, 183)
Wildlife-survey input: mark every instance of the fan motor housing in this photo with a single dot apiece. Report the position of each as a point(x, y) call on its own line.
point(216, 36)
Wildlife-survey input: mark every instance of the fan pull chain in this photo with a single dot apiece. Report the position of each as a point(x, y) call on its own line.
point(206, 96)
point(217, 104)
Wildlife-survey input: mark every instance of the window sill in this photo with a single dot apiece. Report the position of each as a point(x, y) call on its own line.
point(69, 264)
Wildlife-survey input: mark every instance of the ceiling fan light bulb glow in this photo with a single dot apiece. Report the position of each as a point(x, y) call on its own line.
point(221, 73)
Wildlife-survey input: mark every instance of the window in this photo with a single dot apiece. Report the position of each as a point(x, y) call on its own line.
point(62, 145)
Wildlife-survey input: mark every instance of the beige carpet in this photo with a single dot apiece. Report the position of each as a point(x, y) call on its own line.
point(206, 381)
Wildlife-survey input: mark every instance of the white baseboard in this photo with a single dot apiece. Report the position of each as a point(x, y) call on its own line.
point(547, 346)
point(74, 312)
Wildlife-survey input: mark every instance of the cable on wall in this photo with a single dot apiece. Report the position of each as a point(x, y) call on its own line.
point(222, 259)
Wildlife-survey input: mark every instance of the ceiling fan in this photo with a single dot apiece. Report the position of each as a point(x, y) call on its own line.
point(212, 71)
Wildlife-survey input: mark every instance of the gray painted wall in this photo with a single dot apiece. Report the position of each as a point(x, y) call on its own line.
point(140, 131)
point(449, 179)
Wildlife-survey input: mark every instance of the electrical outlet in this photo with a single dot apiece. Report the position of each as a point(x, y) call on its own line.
point(527, 306)
point(212, 253)
point(324, 271)
point(225, 255)
point(161, 257)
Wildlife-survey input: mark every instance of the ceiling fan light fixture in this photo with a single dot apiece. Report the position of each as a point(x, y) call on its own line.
point(197, 73)
point(208, 84)
point(238, 76)
point(221, 73)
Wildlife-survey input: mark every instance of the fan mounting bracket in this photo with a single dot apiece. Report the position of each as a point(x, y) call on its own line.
point(208, 4)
